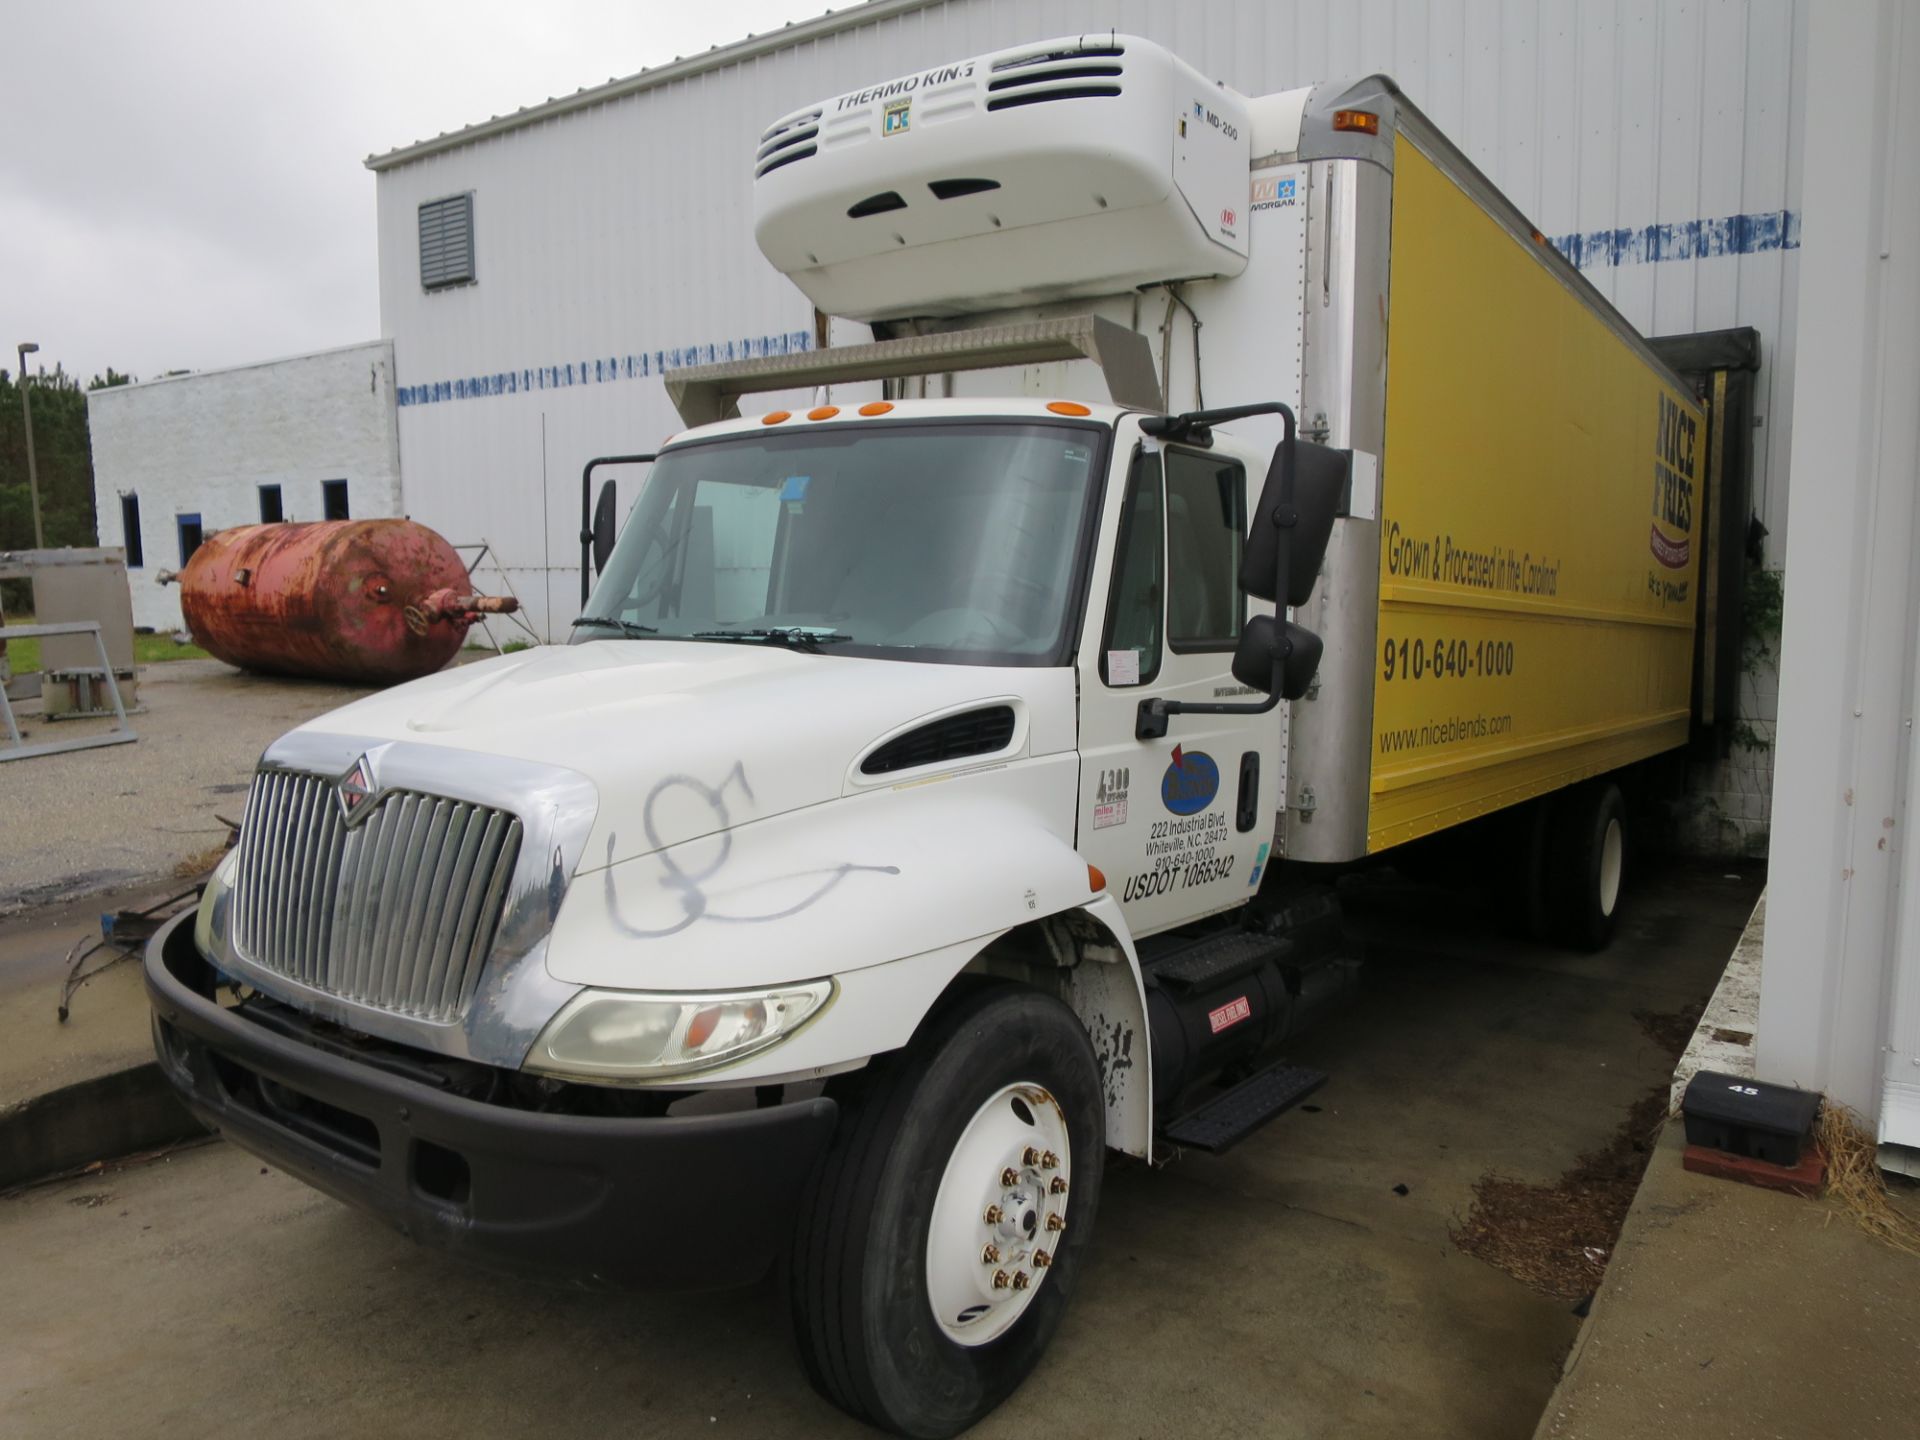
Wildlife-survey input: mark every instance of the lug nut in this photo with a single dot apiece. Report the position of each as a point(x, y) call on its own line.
point(990, 1255)
point(1031, 1157)
point(1059, 1185)
point(993, 1215)
point(1041, 1259)
point(1056, 1223)
point(1000, 1281)
point(1021, 1280)
point(1009, 1176)
point(1049, 1161)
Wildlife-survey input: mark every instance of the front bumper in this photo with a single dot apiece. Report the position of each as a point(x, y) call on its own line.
point(667, 1201)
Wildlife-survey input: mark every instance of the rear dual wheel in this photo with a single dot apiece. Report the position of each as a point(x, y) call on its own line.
point(1584, 863)
point(942, 1235)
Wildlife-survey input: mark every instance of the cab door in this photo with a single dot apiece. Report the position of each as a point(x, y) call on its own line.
point(1181, 826)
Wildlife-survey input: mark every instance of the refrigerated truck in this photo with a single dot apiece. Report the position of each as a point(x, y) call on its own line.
point(946, 776)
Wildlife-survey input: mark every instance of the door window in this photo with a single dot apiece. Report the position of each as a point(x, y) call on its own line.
point(1206, 526)
point(1133, 607)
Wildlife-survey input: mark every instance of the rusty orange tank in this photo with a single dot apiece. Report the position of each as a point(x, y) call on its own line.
point(368, 601)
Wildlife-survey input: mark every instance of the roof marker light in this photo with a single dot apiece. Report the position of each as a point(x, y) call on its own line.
point(823, 412)
point(876, 407)
point(1365, 121)
point(1068, 407)
point(774, 417)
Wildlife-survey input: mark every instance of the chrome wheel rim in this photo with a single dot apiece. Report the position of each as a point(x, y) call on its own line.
point(1612, 857)
point(1000, 1214)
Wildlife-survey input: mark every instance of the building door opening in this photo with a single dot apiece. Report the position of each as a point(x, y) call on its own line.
point(130, 531)
point(190, 535)
point(271, 512)
point(333, 500)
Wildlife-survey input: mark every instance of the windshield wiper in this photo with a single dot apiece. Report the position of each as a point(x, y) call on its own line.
point(796, 635)
point(625, 627)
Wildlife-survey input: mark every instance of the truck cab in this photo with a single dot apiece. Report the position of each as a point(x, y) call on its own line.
point(911, 817)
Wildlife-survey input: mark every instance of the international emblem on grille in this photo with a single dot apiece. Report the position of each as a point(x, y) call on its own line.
point(354, 789)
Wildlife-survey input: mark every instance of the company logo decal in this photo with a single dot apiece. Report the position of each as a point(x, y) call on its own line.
point(1675, 468)
point(1670, 553)
point(895, 115)
point(354, 789)
point(1271, 193)
point(1191, 782)
point(1227, 217)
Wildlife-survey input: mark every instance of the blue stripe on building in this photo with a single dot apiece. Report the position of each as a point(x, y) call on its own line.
point(601, 369)
point(1754, 234)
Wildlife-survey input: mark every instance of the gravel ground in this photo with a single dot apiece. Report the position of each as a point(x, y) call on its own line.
point(93, 820)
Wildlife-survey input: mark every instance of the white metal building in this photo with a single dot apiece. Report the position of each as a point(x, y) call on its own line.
point(1840, 989)
point(540, 270)
point(311, 438)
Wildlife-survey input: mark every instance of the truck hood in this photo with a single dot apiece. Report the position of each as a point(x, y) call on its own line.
point(683, 739)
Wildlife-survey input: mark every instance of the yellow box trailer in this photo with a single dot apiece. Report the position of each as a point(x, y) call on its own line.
point(1538, 524)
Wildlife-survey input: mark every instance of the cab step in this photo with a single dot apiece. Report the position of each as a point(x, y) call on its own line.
point(1230, 1117)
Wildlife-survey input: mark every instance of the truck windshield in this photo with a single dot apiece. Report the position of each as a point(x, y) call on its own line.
point(952, 542)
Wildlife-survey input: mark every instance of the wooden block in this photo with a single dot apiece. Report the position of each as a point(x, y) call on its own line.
point(1804, 1179)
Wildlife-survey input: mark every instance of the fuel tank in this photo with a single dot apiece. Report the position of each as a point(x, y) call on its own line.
point(367, 601)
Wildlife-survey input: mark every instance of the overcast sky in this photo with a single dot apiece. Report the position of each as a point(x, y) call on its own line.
point(181, 184)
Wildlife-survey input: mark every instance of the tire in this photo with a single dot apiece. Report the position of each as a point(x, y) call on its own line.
point(1587, 864)
point(924, 1139)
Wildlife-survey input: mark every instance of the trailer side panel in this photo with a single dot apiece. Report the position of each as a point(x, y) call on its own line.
point(1539, 526)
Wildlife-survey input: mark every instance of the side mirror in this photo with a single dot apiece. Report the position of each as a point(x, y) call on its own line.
point(1320, 484)
point(605, 523)
point(1267, 641)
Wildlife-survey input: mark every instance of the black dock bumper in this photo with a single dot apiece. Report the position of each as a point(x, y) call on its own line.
point(673, 1202)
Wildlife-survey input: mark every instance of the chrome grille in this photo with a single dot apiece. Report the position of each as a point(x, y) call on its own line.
point(397, 912)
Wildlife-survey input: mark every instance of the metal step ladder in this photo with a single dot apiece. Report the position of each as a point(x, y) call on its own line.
point(1219, 1124)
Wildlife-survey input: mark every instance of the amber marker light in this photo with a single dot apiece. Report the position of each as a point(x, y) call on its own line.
point(774, 417)
point(823, 412)
point(1365, 121)
point(1068, 407)
point(1097, 878)
point(876, 407)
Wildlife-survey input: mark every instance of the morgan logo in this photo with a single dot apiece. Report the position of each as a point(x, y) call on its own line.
point(353, 790)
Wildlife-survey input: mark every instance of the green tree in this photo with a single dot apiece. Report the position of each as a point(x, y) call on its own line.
point(65, 460)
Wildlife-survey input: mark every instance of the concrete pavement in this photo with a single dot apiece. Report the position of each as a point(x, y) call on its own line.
point(1735, 1313)
point(96, 820)
point(1303, 1286)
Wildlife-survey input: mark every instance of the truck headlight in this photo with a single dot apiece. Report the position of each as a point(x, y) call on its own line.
point(210, 923)
point(633, 1037)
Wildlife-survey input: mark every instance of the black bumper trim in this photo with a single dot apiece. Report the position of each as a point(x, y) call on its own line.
point(673, 1202)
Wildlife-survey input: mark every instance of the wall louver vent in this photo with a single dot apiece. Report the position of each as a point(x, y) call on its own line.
point(446, 242)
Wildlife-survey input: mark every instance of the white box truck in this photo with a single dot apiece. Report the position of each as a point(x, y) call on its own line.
point(944, 783)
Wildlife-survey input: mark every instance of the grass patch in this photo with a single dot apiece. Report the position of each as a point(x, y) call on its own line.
point(24, 655)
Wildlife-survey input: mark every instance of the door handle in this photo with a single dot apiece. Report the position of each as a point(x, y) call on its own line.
point(1247, 814)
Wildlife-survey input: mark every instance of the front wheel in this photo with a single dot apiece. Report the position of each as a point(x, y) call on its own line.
point(942, 1234)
